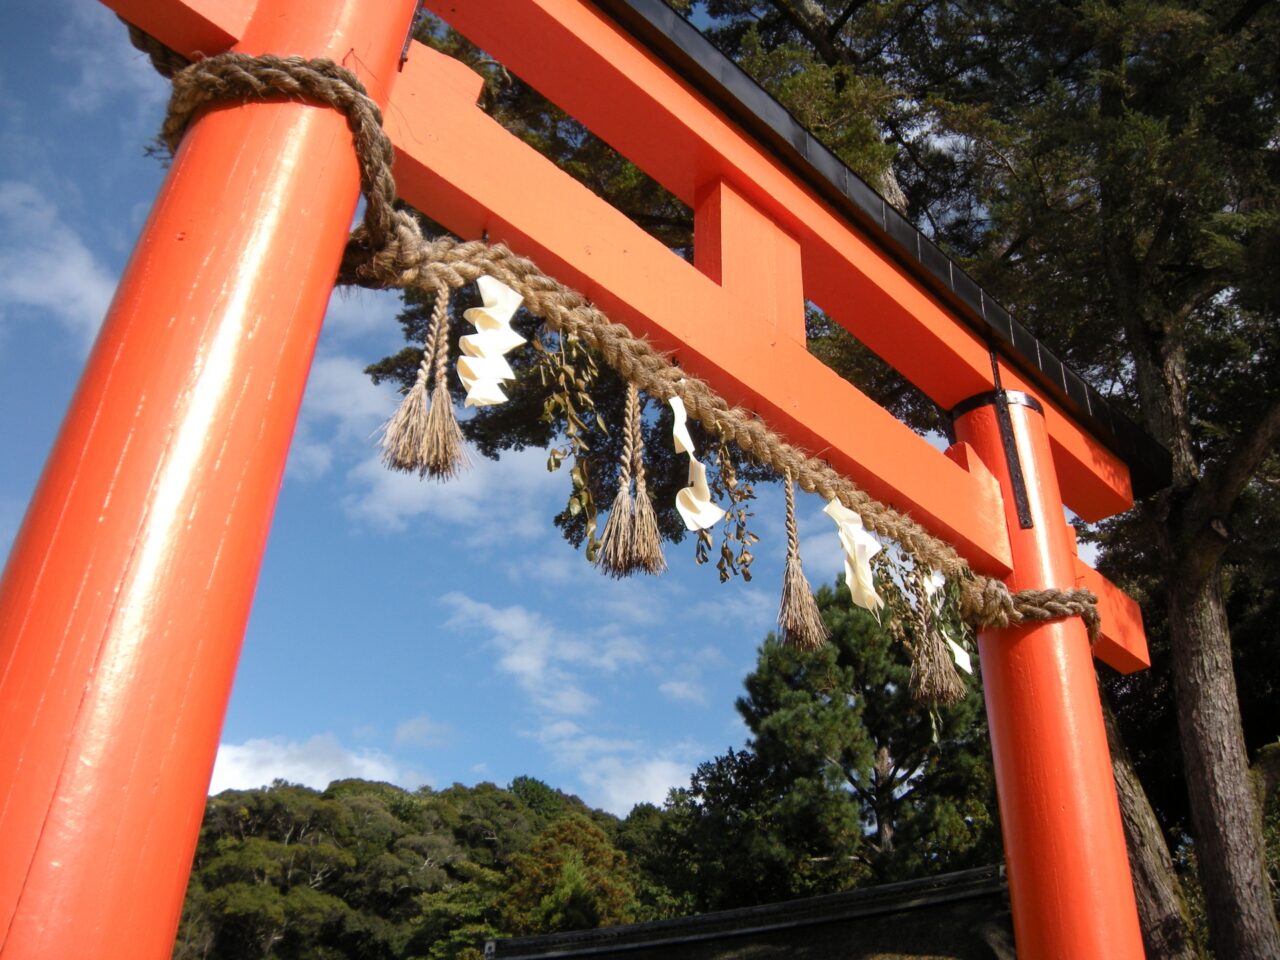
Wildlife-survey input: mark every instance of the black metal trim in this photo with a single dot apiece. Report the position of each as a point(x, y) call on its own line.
point(1015, 397)
point(715, 76)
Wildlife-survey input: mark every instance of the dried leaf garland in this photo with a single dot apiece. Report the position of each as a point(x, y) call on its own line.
point(569, 370)
point(918, 617)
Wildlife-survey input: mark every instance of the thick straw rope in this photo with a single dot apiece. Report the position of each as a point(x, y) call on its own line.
point(388, 250)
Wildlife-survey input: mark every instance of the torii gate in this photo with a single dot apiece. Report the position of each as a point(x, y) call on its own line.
point(128, 588)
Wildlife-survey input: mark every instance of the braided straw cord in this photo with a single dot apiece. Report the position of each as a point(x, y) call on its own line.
point(631, 540)
point(388, 250)
point(799, 620)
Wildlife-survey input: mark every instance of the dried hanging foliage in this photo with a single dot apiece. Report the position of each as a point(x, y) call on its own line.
point(568, 370)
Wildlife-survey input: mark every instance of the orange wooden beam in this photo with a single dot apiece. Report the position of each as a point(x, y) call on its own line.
point(588, 66)
point(127, 589)
point(1069, 882)
point(192, 27)
point(744, 336)
point(1078, 463)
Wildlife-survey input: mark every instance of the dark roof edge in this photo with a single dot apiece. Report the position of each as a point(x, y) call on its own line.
point(679, 44)
point(749, 921)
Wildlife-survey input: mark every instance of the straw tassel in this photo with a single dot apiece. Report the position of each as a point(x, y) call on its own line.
point(799, 620)
point(423, 436)
point(631, 541)
point(933, 672)
point(934, 657)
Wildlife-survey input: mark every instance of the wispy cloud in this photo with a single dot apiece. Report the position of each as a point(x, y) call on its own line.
point(688, 691)
point(492, 503)
point(315, 762)
point(104, 66)
point(45, 265)
point(618, 773)
point(340, 413)
point(421, 731)
point(545, 662)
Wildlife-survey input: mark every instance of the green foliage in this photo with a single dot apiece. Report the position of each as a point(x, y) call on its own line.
point(572, 878)
point(371, 871)
point(845, 780)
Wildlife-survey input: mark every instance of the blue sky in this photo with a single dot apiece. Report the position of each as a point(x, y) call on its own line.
point(402, 630)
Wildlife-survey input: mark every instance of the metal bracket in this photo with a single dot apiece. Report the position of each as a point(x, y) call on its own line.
point(1001, 399)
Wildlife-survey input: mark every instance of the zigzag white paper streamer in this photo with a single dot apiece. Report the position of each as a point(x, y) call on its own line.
point(694, 501)
point(482, 367)
point(859, 547)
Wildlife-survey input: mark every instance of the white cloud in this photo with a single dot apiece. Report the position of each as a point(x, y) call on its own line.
point(529, 650)
point(617, 774)
point(316, 762)
point(421, 731)
point(544, 661)
point(493, 502)
point(618, 784)
point(341, 411)
point(556, 566)
point(46, 266)
point(105, 66)
point(683, 690)
point(355, 312)
point(747, 607)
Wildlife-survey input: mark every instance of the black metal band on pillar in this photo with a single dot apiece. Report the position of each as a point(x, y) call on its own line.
point(1001, 399)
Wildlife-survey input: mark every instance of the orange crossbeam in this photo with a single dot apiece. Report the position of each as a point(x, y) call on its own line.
point(194, 27)
point(587, 65)
point(458, 165)
point(745, 336)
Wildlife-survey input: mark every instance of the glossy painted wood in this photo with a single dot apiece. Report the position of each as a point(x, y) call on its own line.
point(1069, 881)
point(127, 590)
point(734, 318)
point(128, 587)
point(586, 64)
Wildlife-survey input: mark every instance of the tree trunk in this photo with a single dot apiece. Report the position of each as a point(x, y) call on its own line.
point(1224, 808)
point(1166, 930)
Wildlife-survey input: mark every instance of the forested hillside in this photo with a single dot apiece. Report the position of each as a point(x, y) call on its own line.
point(844, 782)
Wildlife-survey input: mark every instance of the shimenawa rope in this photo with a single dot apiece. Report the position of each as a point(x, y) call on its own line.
point(388, 250)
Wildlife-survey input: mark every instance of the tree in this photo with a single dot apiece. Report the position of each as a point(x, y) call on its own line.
point(845, 780)
point(572, 878)
point(1107, 169)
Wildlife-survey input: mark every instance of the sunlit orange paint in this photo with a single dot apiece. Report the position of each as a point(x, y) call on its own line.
point(587, 65)
point(128, 587)
point(1069, 882)
point(744, 336)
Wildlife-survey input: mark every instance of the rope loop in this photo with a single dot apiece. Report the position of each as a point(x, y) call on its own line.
point(389, 250)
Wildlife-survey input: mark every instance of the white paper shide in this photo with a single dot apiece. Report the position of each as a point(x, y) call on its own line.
point(694, 501)
point(482, 366)
point(859, 546)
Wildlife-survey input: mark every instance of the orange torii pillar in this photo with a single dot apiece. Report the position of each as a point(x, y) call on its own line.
point(128, 588)
point(1069, 883)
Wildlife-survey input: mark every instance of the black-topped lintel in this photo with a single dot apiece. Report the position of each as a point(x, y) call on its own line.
point(747, 104)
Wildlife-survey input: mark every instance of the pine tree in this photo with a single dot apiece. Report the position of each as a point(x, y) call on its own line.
point(845, 780)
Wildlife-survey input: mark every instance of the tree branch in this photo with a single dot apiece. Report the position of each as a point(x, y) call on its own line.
point(1223, 483)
